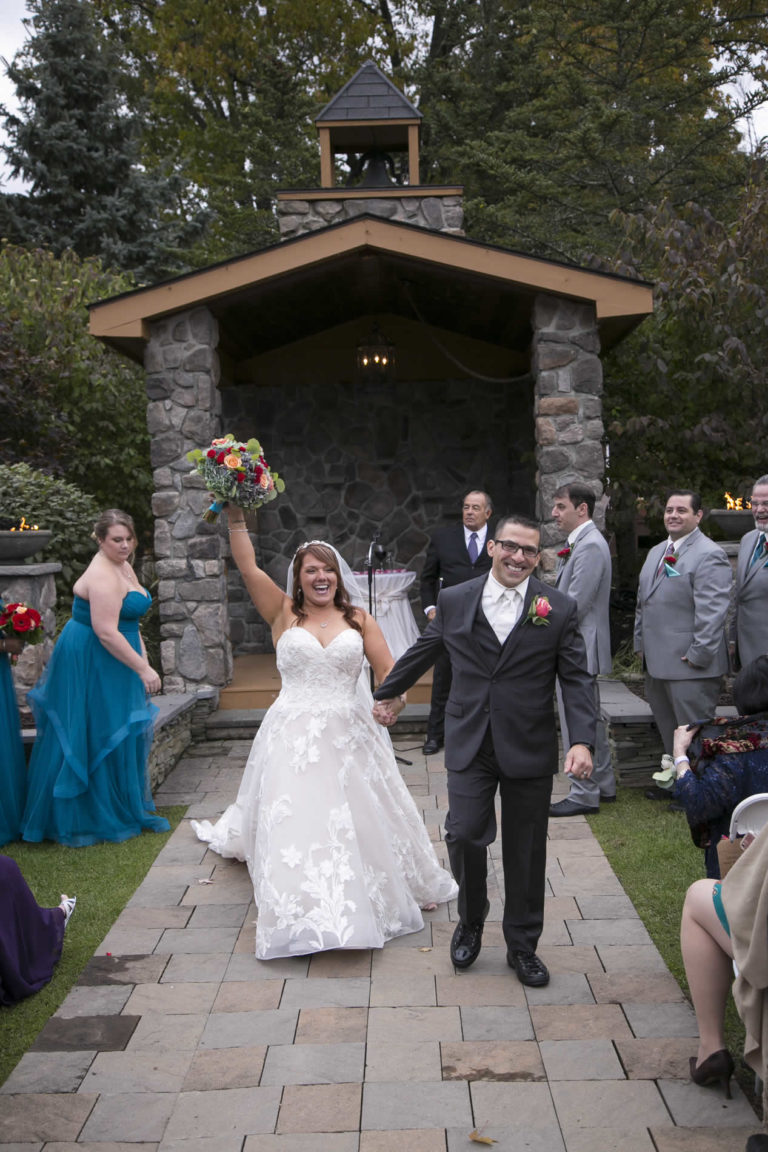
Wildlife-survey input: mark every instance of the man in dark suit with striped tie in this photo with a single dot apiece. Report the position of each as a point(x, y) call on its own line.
point(455, 554)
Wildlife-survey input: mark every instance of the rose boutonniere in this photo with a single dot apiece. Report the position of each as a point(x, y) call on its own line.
point(539, 610)
point(669, 565)
point(564, 553)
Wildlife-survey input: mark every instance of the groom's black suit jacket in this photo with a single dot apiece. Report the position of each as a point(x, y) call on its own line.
point(509, 687)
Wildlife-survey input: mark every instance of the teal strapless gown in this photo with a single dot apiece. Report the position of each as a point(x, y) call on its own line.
point(13, 766)
point(88, 776)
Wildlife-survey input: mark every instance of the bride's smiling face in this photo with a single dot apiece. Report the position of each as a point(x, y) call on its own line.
point(318, 581)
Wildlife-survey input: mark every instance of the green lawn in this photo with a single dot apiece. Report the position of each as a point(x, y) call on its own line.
point(103, 877)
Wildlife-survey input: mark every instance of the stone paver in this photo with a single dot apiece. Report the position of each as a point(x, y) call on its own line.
point(181, 1041)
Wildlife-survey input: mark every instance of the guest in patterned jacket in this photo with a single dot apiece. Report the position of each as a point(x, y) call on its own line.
point(723, 761)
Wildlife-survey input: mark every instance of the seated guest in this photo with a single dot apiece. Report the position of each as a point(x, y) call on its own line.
point(30, 936)
point(727, 762)
point(723, 924)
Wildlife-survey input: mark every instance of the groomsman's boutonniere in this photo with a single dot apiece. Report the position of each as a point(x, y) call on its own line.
point(564, 553)
point(539, 610)
point(669, 566)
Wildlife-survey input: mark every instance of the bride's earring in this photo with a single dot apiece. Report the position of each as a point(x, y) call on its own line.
point(300, 596)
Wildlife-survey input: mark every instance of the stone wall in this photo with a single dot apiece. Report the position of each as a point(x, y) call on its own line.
point(182, 378)
point(438, 213)
point(567, 408)
point(397, 461)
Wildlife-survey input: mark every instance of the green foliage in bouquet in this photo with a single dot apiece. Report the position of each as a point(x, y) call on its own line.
point(235, 473)
point(56, 505)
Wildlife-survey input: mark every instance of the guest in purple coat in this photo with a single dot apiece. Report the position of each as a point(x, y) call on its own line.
point(30, 936)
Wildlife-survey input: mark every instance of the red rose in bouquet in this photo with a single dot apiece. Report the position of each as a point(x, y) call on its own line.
point(20, 620)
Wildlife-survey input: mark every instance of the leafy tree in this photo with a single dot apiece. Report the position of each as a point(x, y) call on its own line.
point(700, 364)
point(553, 115)
point(79, 149)
point(69, 405)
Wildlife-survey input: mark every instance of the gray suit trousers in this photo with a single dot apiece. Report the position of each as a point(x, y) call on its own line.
point(602, 782)
point(676, 702)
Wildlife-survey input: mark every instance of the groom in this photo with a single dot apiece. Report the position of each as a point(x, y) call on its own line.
point(508, 637)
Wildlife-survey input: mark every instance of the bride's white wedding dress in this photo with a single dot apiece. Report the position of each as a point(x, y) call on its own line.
point(337, 852)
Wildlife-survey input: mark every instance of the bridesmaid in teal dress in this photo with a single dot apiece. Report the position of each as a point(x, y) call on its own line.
point(88, 778)
point(14, 768)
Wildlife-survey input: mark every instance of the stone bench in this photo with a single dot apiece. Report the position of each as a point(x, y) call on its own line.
point(636, 747)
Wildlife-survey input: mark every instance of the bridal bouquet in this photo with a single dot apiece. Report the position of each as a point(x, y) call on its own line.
point(236, 473)
point(22, 621)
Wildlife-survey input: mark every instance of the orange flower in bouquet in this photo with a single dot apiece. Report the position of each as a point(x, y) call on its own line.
point(235, 473)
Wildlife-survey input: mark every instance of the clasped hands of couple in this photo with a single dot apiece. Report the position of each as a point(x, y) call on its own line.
point(578, 760)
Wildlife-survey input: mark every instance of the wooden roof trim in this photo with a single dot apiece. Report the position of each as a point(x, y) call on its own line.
point(613, 295)
point(357, 192)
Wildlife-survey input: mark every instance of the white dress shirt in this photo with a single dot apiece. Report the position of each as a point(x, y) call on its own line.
point(503, 606)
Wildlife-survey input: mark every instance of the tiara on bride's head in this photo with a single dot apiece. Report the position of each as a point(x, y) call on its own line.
point(308, 543)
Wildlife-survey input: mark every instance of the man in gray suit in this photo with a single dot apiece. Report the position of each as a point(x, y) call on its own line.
point(584, 572)
point(750, 622)
point(508, 636)
point(682, 602)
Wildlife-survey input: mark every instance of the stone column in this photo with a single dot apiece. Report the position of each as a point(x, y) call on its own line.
point(568, 407)
point(182, 376)
point(32, 584)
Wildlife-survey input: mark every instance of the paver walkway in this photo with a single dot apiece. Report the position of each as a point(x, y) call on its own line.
point(177, 1039)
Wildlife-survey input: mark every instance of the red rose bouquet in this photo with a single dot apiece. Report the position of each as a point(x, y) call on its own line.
point(22, 621)
point(235, 473)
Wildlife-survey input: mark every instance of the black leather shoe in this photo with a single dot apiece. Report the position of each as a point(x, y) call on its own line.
point(608, 799)
point(467, 941)
point(431, 746)
point(570, 807)
point(530, 970)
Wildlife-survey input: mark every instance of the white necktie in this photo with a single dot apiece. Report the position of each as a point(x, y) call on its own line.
point(506, 613)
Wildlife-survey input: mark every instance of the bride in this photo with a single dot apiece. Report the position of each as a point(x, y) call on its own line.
point(336, 849)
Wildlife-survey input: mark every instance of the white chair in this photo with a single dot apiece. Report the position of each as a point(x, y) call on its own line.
point(749, 816)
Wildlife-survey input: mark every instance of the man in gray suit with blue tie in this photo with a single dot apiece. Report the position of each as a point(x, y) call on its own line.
point(682, 602)
point(750, 623)
point(584, 573)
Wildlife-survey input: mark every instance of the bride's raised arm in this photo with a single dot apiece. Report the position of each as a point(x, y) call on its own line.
point(269, 600)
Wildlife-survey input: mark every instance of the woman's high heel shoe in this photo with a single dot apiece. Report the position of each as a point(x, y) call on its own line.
point(717, 1068)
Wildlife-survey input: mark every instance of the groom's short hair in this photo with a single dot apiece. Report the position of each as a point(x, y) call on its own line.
point(515, 518)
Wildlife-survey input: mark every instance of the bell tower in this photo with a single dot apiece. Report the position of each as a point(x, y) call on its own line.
point(375, 128)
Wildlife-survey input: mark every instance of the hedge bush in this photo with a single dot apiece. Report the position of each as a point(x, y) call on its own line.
point(51, 503)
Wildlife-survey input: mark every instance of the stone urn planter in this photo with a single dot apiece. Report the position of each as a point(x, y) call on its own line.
point(734, 522)
point(18, 546)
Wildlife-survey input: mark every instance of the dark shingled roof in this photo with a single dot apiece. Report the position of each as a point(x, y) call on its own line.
point(369, 95)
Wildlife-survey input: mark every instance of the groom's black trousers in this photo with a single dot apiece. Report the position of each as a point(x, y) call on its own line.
point(470, 827)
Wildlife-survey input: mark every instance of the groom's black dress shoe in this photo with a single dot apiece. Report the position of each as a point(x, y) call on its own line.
point(570, 807)
point(530, 970)
point(431, 746)
point(467, 941)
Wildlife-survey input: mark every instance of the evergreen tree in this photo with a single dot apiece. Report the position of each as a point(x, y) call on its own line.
point(79, 150)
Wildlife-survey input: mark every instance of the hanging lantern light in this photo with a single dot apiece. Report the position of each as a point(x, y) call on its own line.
point(375, 357)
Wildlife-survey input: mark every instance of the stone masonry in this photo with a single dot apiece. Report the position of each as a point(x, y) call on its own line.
point(568, 377)
point(182, 368)
point(438, 213)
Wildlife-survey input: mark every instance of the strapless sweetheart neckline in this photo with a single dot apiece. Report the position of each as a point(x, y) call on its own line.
point(304, 632)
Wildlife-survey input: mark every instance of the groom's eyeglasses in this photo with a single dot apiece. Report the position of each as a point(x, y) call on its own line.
point(512, 546)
